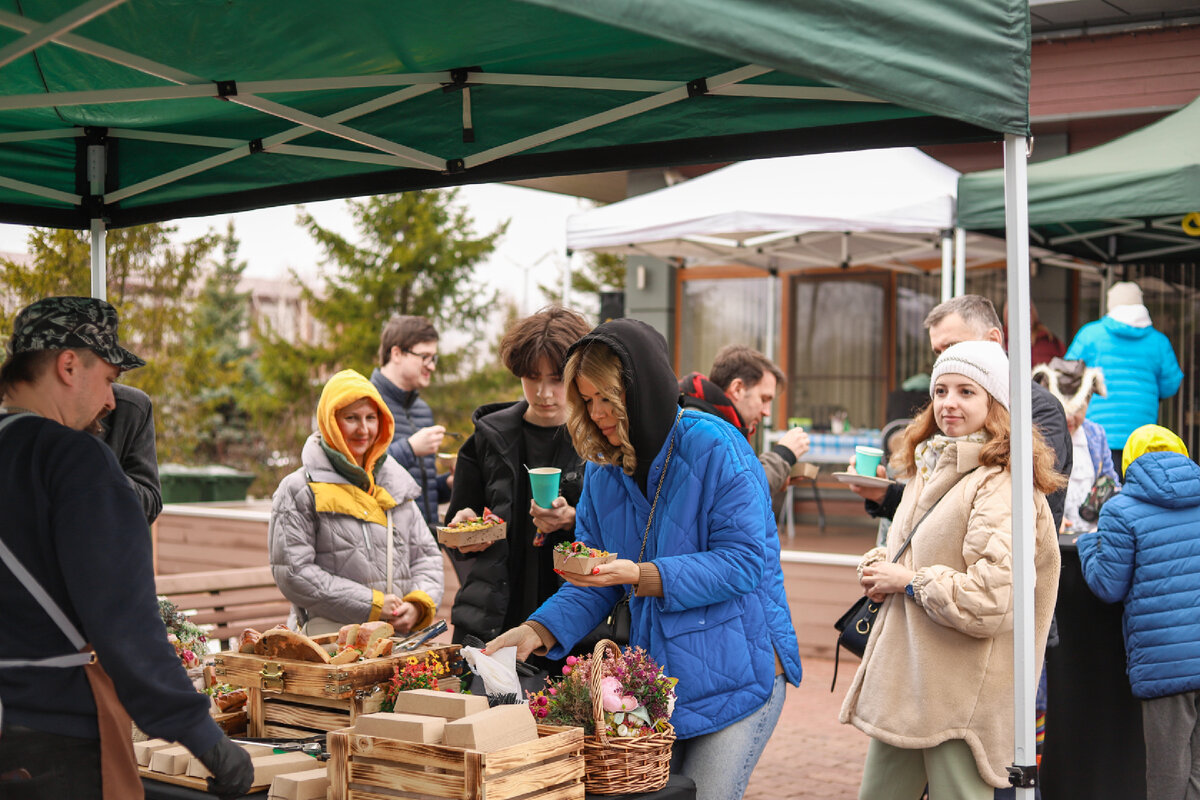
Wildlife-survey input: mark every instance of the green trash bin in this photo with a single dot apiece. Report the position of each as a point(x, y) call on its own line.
point(184, 484)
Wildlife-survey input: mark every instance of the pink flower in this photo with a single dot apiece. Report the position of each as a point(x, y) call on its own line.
point(566, 670)
point(572, 661)
point(611, 697)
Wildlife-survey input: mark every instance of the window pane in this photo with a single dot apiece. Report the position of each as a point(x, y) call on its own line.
point(720, 312)
point(837, 355)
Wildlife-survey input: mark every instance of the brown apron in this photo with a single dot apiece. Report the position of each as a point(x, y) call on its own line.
point(118, 766)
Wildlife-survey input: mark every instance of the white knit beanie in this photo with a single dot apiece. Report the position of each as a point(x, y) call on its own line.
point(986, 363)
point(1126, 293)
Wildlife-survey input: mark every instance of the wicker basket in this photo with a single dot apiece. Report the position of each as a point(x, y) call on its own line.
point(622, 765)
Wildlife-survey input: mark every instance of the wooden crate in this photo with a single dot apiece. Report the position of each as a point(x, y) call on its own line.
point(297, 699)
point(374, 768)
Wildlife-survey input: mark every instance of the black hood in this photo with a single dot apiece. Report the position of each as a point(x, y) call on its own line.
point(651, 390)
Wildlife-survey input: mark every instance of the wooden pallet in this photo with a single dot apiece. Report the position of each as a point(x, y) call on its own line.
point(374, 768)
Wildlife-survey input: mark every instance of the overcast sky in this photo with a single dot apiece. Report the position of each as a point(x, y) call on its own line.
point(533, 250)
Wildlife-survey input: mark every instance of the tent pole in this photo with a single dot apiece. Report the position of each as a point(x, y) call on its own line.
point(960, 262)
point(1016, 213)
point(97, 167)
point(947, 266)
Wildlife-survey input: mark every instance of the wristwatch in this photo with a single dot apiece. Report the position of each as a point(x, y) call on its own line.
point(908, 590)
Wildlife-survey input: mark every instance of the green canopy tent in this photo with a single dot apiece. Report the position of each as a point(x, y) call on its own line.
point(118, 112)
point(1134, 199)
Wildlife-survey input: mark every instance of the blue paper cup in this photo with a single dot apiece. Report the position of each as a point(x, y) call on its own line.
point(866, 460)
point(544, 482)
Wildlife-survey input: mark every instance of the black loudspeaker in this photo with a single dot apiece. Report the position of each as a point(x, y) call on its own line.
point(612, 305)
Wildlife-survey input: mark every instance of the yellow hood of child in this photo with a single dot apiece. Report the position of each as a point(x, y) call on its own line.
point(1150, 439)
point(343, 389)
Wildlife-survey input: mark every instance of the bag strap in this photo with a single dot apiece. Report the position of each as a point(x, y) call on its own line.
point(47, 603)
point(654, 503)
point(911, 533)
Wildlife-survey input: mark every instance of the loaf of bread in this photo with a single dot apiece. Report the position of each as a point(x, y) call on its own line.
point(379, 648)
point(347, 635)
point(369, 632)
point(248, 640)
point(230, 701)
point(283, 643)
point(347, 656)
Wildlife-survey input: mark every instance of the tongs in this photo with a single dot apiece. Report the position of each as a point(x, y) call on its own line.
point(415, 640)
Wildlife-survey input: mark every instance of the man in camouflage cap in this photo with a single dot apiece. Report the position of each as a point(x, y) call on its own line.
point(74, 527)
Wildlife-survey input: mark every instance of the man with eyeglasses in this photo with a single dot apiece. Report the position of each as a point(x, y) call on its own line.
point(408, 355)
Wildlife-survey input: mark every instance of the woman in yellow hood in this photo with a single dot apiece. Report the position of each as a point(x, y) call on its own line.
point(347, 541)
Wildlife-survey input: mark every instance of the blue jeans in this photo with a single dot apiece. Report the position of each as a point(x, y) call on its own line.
point(721, 762)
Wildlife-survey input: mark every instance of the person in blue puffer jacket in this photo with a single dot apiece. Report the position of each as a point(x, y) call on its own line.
point(1146, 554)
point(681, 496)
point(1139, 365)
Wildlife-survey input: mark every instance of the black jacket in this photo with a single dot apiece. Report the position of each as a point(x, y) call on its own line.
point(129, 432)
point(1051, 421)
point(500, 592)
point(411, 413)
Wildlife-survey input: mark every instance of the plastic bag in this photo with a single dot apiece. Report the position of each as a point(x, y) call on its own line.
point(497, 670)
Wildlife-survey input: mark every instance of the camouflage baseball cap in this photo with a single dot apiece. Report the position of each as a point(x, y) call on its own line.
point(58, 323)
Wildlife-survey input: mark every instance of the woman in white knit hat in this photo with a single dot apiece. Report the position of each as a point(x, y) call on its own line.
point(935, 687)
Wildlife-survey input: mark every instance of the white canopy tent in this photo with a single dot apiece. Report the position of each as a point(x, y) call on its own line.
point(891, 207)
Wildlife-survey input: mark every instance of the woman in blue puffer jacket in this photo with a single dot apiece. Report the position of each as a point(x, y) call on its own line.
point(1146, 554)
point(681, 496)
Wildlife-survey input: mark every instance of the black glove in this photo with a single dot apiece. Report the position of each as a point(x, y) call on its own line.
point(232, 771)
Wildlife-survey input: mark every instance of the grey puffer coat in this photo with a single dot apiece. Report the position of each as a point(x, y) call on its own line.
point(328, 563)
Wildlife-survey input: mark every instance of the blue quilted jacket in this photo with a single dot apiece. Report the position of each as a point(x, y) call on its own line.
point(1139, 369)
point(1146, 554)
point(723, 615)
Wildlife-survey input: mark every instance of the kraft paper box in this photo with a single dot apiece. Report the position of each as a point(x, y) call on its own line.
point(803, 470)
point(494, 729)
point(266, 767)
point(405, 727)
point(311, 784)
point(144, 750)
point(439, 704)
point(171, 760)
point(580, 566)
point(456, 538)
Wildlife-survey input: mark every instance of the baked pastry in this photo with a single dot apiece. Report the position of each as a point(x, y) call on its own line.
point(248, 640)
point(369, 632)
point(347, 635)
point(283, 643)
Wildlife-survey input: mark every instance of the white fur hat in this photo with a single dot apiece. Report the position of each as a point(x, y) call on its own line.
point(1126, 293)
point(986, 363)
point(1072, 382)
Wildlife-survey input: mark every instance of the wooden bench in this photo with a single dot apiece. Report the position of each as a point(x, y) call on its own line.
point(229, 600)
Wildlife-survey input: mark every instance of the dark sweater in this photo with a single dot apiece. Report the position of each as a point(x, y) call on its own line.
point(73, 521)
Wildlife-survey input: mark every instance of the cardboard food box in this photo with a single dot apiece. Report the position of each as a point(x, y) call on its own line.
point(311, 784)
point(431, 703)
point(171, 760)
point(368, 768)
point(266, 767)
point(405, 727)
point(494, 729)
point(580, 566)
point(146, 749)
point(802, 469)
point(456, 538)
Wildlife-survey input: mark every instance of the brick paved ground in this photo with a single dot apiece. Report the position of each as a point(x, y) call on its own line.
point(811, 754)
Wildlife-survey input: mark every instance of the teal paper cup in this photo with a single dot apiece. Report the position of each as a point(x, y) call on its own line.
point(544, 482)
point(866, 460)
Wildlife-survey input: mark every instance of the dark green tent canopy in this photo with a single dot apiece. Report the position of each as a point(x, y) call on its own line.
point(1133, 199)
point(144, 110)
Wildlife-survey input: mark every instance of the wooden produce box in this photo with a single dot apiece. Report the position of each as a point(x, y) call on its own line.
point(369, 768)
point(297, 699)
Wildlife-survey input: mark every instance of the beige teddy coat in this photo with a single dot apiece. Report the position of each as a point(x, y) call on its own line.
point(943, 669)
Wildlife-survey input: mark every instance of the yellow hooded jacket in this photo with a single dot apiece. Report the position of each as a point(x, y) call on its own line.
point(1150, 439)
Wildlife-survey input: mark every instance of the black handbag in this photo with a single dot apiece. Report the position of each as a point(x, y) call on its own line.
point(855, 626)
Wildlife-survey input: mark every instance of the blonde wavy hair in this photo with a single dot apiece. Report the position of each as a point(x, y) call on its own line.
point(997, 452)
point(598, 364)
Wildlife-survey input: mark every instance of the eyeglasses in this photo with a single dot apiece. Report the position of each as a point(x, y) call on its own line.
point(428, 359)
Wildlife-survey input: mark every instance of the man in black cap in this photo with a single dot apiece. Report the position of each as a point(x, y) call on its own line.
point(82, 645)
